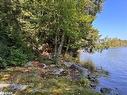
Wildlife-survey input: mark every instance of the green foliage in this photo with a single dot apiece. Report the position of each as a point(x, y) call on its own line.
point(14, 57)
point(84, 82)
point(65, 25)
point(13, 49)
point(17, 57)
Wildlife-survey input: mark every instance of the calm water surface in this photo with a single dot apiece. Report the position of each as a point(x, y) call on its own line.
point(115, 62)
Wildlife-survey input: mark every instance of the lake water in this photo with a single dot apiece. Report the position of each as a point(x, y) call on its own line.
point(115, 62)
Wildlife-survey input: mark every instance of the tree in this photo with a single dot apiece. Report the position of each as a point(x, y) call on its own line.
point(64, 25)
point(11, 39)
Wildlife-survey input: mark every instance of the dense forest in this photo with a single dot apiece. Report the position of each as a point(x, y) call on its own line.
point(33, 28)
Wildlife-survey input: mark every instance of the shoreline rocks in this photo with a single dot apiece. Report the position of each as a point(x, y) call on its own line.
point(109, 91)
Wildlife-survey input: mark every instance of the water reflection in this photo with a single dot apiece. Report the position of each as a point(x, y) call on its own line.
point(114, 61)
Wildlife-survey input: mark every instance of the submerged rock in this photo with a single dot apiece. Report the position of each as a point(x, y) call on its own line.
point(105, 90)
point(109, 91)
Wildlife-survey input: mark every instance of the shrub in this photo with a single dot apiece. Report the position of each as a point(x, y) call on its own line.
point(89, 65)
point(10, 56)
point(17, 57)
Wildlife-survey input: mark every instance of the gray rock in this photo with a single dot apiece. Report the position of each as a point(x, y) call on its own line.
point(68, 64)
point(37, 64)
point(83, 71)
point(17, 87)
point(13, 86)
point(57, 71)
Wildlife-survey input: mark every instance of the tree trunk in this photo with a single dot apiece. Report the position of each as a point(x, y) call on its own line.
point(67, 46)
point(61, 44)
point(55, 49)
point(60, 47)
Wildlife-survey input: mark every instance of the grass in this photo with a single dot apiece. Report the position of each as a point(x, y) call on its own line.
point(69, 58)
point(45, 85)
point(89, 65)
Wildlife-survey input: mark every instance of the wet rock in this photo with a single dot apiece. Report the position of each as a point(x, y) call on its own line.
point(109, 91)
point(105, 90)
point(93, 85)
point(92, 78)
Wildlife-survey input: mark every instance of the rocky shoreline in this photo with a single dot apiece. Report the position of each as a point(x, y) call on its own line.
point(14, 81)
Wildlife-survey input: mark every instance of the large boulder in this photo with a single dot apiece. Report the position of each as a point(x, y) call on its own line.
point(83, 71)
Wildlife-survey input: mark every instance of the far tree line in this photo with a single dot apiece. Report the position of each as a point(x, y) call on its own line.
point(107, 42)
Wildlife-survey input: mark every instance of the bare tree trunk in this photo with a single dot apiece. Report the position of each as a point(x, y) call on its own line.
point(60, 47)
point(67, 45)
point(55, 49)
point(61, 44)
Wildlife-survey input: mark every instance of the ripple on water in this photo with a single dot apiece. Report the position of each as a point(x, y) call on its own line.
point(114, 61)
